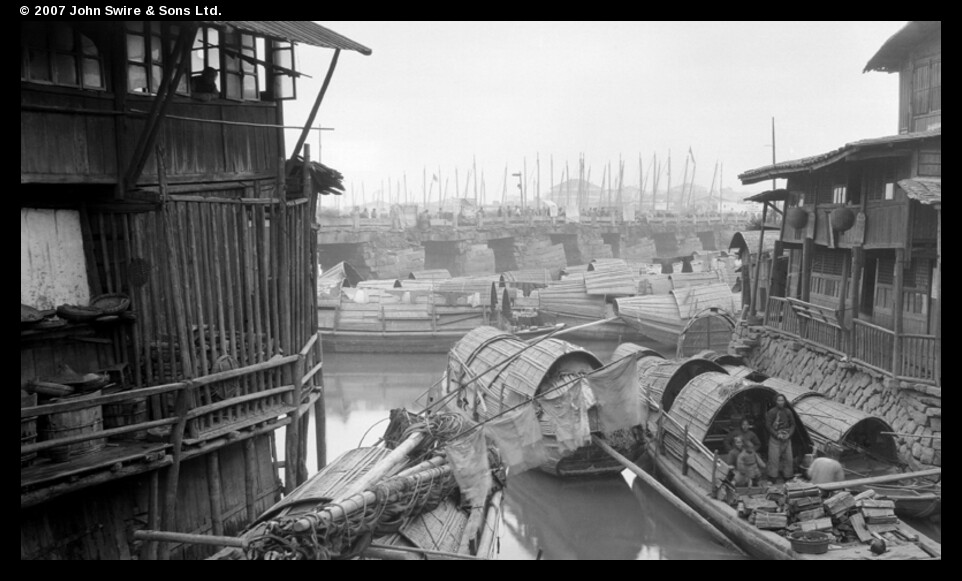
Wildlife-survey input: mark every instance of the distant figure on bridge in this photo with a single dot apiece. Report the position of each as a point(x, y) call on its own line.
point(365, 215)
point(480, 215)
point(374, 214)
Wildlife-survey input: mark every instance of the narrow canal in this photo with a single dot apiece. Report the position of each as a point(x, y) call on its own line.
point(545, 518)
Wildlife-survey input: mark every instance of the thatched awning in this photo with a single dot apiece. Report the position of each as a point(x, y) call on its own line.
point(662, 382)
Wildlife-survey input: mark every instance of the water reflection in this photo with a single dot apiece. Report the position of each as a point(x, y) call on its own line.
point(545, 517)
point(598, 519)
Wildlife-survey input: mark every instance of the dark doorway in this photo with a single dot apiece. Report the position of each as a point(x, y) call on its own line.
point(613, 240)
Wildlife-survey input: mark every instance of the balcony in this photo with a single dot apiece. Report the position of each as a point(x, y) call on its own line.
point(908, 357)
point(187, 419)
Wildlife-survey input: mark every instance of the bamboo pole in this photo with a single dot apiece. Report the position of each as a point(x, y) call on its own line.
point(317, 104)
point(160, 103)
point(396, 458)
point(887, 479)
point(216, 496)
point(292, 436)
point(153, 514)
point(667, 495)
point(320, 413)
point(910, 436)
point(759, 259)
point(188, 539)
point(250, 479)
point(173, 473)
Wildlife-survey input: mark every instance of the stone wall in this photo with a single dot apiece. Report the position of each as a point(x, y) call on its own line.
point(909, 408)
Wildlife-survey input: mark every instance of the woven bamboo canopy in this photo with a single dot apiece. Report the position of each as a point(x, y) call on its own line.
point(711, 397)
point(744, 372)
point(532, 368)
point(626, 349)
point(662, 382)
point(792, 391)
point(844, 425)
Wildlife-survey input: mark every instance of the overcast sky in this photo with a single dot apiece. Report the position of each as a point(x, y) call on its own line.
point(436, 95)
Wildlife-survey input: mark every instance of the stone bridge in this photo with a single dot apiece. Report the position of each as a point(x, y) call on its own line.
point(379, 248)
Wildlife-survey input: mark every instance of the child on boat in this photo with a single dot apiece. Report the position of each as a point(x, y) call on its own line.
point(748, 469)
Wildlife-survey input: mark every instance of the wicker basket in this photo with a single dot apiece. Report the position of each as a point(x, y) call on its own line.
point(810, 543)
point(111, 304)
point(78, 314)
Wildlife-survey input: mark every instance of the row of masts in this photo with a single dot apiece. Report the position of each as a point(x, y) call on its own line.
point(438, 186)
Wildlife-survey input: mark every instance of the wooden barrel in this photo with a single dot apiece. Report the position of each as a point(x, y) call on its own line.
point(126, 413)
point(28, 428)
point(66, 424)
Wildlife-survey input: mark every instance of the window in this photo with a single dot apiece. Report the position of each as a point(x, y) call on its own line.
point(240, 67)
point(206, 52)
point(282, 58)
point(879, 180)
point(59, 54)
point(148, 46)
point(839, 195)
point(927, 87)
point(930, 163)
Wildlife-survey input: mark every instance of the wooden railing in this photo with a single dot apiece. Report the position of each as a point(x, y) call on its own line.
point(206, 408)
point(872, 346)
point(866, 344)
point(919, 359)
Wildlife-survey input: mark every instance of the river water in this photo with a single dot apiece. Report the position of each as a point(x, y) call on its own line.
point(545, 518)
point(615, 518)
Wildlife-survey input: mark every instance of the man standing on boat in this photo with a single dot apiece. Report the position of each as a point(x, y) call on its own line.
point(780, 422)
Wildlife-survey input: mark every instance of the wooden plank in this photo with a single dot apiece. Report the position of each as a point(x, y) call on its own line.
point(234, 401)
point(860, 528)
point(76, 405)
point(49, 444)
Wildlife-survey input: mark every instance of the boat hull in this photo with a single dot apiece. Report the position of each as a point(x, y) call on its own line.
point(757, 543)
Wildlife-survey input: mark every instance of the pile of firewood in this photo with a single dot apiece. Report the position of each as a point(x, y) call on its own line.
point(803, 507)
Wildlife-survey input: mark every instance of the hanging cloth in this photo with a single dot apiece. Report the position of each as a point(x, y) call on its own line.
point(568, 415)
point(469, 462)
point(518, 436)
point(619, 398)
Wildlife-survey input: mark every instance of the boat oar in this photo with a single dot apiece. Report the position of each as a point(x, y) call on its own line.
point(832, 486)
point(667, 495)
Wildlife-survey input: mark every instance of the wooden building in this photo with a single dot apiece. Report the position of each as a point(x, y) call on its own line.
point(154, 186)
point(862, 228)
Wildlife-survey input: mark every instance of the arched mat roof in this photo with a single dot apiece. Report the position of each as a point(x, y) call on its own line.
point(705, 397)
point(664, 380)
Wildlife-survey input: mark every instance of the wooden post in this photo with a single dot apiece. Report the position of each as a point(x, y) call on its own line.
point(165, 93)
point(320, 411)
point(684, 455)
point(855, 288)
point(216, 496)
point(843, 298)
point(173, 473)
point(317, 104)
point(149, 549)
point(808, 255)
point(250, 479)
point(937, 283)
point(897, 312)
point(292, 438)
point(756, 284)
